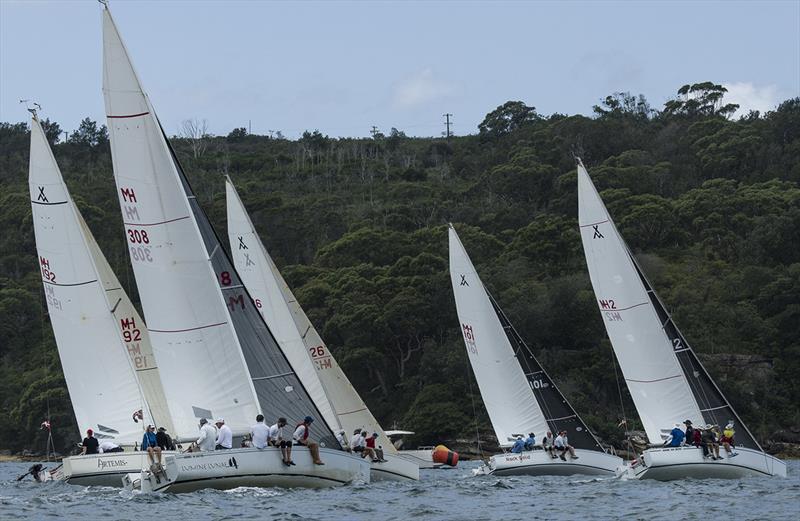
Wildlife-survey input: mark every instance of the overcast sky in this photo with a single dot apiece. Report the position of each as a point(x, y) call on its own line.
point(342, 67)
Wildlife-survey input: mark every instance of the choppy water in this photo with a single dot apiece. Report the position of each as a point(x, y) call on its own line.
point(439, 495)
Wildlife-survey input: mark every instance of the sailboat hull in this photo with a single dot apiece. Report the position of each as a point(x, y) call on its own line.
point(104, 470)
point(226, 469)
point(395, 468)
point(540, 463)
point(671, 463)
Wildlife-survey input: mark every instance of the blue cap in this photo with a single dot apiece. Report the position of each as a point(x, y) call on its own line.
point(309, 419)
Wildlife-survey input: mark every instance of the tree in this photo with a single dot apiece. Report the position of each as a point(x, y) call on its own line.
point(196, 132)
point(89, 134)
point(237, 134)
point(507, 118)
point(700, 99)
point(52, 131)
point(622, 104)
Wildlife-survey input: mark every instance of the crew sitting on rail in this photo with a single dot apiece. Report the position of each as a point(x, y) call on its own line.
point(519, 445)
point(377, 451)
point(224, 437)
point(676, 436)
point(689, 437)
point(259, 433)
point(340, 437)
point(547, 443)
point(164, 440)
point(301, 437)
point(530, 442)
point(277, 439)
point(563, 446)
point(150, 444)
point(727, 439)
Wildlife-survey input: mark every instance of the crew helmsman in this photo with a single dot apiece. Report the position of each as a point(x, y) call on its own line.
point(150, 444)
point(208, 435)
point(301, 437)
point(225, 436)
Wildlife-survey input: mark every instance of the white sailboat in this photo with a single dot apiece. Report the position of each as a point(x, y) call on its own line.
point(518, 394)
point(667, 382)
point(217, 355)
point(327, 384)
point(103, 344)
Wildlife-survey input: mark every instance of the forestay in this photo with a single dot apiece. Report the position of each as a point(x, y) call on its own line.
point(646, 354)
point(507, 394)
point(96, 366)
point(328, 385)
point(220, 358)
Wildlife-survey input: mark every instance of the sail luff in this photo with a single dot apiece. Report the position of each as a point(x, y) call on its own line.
point(505, 389)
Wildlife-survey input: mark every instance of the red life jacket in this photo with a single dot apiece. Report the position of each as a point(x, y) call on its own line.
point(371, 442)
point(305, 433)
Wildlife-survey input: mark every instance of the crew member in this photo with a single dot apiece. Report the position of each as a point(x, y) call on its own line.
point(301, 437)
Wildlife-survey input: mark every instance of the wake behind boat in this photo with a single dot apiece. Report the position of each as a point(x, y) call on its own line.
point(666, 380)
point(519, 395)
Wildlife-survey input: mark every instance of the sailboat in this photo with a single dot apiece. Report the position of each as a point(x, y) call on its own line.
point(666, 380)
point(518, 394)
point(215, 351)
point(327, 384)
point(104, 347)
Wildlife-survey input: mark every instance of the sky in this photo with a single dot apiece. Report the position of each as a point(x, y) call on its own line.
point(343, 66)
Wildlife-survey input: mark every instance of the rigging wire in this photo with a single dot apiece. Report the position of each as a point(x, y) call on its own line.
point(622, 404)
point(475, 415)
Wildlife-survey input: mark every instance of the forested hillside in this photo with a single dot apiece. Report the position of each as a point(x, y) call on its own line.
point(708, 203)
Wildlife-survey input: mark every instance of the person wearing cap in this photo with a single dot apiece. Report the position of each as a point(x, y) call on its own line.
point(224, 436)
point(109, 446)
point(530, 441)
point(208, 435)
point(90, 444)
point(519, 445)
point(343, 441)
point(150, 444)
point(727, 439)
point(562, 446)
point(301, 437)
point(689, 436)
point(709, 443)
point(360, 445)
point(377, 451)
point(676, 436)
point(164, 440)
point(277, 439)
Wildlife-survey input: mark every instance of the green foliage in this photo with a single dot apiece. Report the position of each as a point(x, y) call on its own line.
point(710, 206)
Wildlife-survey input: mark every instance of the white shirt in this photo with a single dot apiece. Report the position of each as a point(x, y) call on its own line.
point(341, 439)
point(560, 442)
point(299, 432)
point(276, 433)
point(106, 445)
point(547, 442)
point(225, 437)
point(357, 441)
point(260, 434)
point(207, 439)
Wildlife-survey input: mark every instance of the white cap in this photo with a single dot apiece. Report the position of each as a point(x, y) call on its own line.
point(220, 420)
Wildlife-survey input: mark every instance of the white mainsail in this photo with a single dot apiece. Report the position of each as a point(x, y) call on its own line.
point(88, 327)
point(325, 381)
point(204, 370)
point(646, 355)
point(507, 394)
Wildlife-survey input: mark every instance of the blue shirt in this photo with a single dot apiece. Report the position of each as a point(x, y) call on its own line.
point(518, 447)
point(530, 442)
point(149, 440)
point(677, 437)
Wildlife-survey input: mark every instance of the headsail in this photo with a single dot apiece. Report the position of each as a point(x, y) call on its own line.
point(506, 391)
point(209, 338)
point(78, 283)
point(328, 385)
point(667, 382)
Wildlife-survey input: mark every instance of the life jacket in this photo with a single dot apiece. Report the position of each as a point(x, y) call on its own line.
point(305, 432)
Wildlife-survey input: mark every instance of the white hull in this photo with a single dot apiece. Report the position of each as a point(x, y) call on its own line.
point(672, 463)
point(396, 468)
point(226, 469)
point(104, 469)
point(540, 463)
point(422, 457)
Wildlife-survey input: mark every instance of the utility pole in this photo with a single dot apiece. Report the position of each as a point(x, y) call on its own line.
point(249, 127)
point(447, 125)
